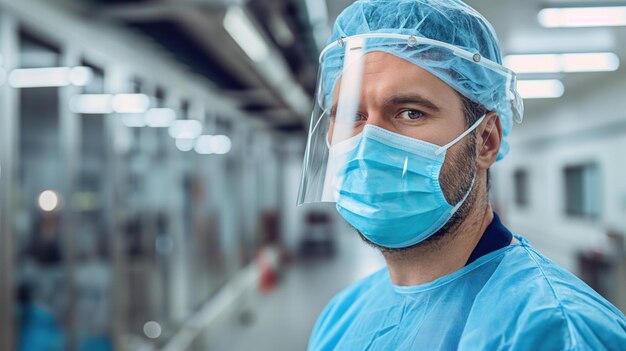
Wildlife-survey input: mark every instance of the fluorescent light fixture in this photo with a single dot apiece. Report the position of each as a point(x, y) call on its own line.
point(48, 201)
point(133, 120)
point(540, 88)
point(318, 17)
point(185, 144)
point(557, 63)
point(284, 36)
point(597, 16)
point(592, 62)
point(91, 103)
point(50, 77)
point(544, 63)
point(213, 144)
point(317, 10)
point(81, 76)
point(241, 29)
point(107, 103)
point(160, 117)
point(221, 144)
point(130, 103)
point(185, 129)
point(203, 145)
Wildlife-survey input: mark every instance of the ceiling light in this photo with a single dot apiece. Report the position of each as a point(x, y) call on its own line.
point(152, 329)
point(592, 62)
point(185, 129)
point(221, 144)
point(185, 144)
point(130, 103)
point(213, 144)
point(81, 76)
point(50, 77)
point(596, 16)
point(540, 88)
point(317, 11)
point(557, 63)
point(91, 103)
point(48, 201)
point(133, 120)
point(284, 36)
point(241, 29)
point(160, 117)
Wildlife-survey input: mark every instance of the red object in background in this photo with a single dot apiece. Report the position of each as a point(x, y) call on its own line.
point(267, 279)
point(267, 262)
point(270, 256)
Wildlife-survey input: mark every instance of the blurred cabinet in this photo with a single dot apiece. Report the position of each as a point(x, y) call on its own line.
point(605, 271)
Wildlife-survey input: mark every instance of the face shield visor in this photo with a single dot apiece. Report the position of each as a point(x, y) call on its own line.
point(344, 85)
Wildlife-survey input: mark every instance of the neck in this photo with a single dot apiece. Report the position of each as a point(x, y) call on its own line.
point(425, 263)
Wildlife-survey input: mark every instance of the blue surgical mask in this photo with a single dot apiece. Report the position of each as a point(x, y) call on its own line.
point(389, 189)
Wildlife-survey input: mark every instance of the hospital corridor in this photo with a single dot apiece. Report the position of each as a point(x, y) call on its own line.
point(283, 175)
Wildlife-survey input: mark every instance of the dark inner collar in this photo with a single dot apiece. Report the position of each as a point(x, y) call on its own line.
point(495, 237)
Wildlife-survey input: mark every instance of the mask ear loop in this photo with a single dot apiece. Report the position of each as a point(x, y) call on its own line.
point(460, 203)
point(443, 149)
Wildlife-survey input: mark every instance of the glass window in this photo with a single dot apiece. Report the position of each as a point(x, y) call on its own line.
point(43, 299)
point(520, 178)
point(145, 225)
point(93, 275)
point(582, 191)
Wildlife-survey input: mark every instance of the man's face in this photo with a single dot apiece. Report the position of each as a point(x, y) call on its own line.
point(403, 98)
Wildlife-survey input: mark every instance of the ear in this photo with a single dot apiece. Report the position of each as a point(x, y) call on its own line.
point(488, 140)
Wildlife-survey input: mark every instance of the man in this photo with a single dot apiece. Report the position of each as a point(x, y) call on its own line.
point(413, 107)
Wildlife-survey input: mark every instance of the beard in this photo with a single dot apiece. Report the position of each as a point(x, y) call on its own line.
point(456, 177)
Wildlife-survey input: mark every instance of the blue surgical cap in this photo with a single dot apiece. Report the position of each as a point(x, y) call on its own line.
point(448, 21)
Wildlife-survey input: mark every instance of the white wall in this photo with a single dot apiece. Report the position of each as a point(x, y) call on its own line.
point(292, 220)
point(588, 125)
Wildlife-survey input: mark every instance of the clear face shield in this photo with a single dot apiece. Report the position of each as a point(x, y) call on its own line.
point(349, 92)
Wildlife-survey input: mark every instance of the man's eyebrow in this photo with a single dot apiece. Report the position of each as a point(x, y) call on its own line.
point(412, 99)
point(401, 100)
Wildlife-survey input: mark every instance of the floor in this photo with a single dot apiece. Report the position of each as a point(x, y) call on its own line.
point(283, 319)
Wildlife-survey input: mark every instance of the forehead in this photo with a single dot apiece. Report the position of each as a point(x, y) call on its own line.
point(384, 75)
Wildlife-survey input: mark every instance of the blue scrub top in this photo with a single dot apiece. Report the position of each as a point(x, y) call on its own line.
point(513, 298)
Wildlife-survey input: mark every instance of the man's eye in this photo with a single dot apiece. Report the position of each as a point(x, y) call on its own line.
point(411, 114)
point(360, 117)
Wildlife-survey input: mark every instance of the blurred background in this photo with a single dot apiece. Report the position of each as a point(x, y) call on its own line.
point(151, 151)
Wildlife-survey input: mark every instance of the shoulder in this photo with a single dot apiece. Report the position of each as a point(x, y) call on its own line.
point(336, 314)
point(541, 305)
